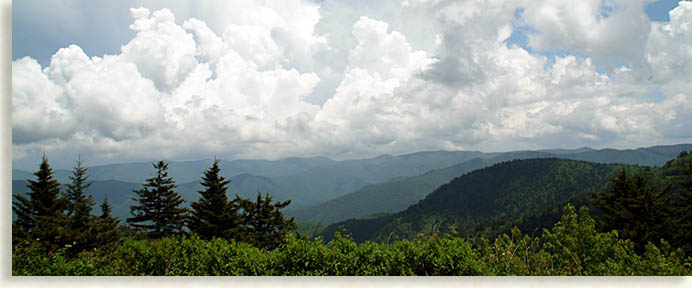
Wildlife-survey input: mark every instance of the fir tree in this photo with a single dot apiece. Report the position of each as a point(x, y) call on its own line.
point(79, 208)
point(214, 215)
point(635, 209)
point(106, 228)
point(265, 226)
point(683, 207)
point(40, 217)
point(159, 212)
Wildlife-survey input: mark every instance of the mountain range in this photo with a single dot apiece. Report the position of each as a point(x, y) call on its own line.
point(527, 193)
point(399, 193)
point(325, 190)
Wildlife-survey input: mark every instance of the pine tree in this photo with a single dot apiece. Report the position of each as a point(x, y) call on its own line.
point(159, 212)
point(214, 215)
point(683, 207)
point(265, 226)
point(79, 208)
point(635, 209)
point(40, 218)
point(106, 228)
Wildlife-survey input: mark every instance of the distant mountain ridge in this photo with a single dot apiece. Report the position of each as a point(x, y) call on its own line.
point(489, 200)
point(397, 194)
point(186, 171)
point(305, 181)
point(311, 181)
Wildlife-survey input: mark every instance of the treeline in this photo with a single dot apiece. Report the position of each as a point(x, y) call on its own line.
point(643, 213)
point(50, 219)
point(642, 228)
point(642, 203)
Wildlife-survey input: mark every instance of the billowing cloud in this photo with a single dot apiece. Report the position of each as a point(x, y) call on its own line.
point(360, 78)
point(605, 30)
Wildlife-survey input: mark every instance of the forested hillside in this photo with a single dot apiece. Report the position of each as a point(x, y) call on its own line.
point(641, 227)
point(399, 193)
point(490, 200)
point(327, 191)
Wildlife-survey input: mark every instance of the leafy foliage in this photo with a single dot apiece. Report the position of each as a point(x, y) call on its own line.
point(573, 247)
point(478, 204)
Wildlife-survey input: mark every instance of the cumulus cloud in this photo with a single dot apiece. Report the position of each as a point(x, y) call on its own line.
point(596, 27)
point(294, 78)
point(40, 109)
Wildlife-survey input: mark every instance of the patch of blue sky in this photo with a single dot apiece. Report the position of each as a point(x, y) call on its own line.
point(607, 8)
point(656, 11)
point(655, 96)
point(40, 38)
point(520, 38)
point(39, 33)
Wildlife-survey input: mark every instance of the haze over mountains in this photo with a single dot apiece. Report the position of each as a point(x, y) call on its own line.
point(325, 190)
point(397, 194)
point(528, 194)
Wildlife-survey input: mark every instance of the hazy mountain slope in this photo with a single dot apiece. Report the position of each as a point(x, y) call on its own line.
point(397, 194)
point(567, 151)
point(503, 192)
point(389, 197)
point(307, 181)
point(650, 156)
point(21, 174)
point(321, 179)
point(244, 185)
point(386, 167)
point(119, 194)
point(187, 171)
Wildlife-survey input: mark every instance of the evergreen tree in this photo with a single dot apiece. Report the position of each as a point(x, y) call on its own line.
point(159, 212)
point(214, 215)
point(683, 207)
point(106, 228)
point(265, 226)
point(40, 217)
point(635, 209)
point(79, 208)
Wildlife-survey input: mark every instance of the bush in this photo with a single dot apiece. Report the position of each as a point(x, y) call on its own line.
point(572, 247)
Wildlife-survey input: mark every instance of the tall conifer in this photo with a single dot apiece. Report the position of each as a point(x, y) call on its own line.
point(214, 215)
point(683, 212)
point(106, 228)
point(40, 217)
point(265, 225)
point(159, 211)
point(635, 209)
point(79, 207)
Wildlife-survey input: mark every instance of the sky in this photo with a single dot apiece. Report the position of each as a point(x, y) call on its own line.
point(141, 80)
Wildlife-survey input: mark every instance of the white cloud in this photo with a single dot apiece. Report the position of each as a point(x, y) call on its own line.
point(669, 51)
point(291, 78)
point(40, 109)
point(162, 50)
point(596, 27)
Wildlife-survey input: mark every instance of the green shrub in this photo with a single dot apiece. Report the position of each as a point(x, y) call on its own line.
point(572, 247)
